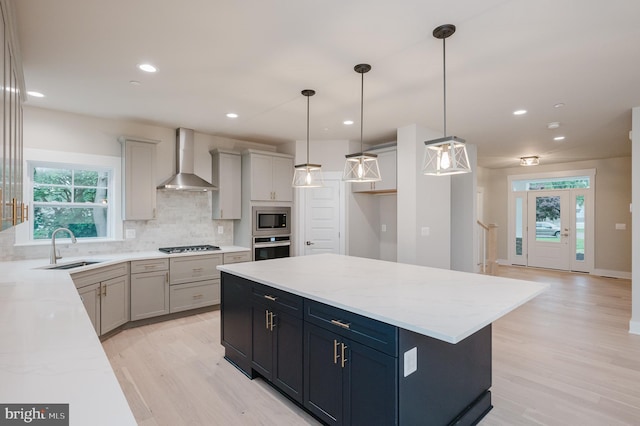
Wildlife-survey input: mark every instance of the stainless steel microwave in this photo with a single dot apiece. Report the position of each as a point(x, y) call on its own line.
point(269, 220)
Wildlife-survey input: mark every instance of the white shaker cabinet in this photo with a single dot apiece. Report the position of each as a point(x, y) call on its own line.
point(138, 178)
point(387, 162)
point(149, 288)
point(227, 176)
point(105, 294)
point(270, 175)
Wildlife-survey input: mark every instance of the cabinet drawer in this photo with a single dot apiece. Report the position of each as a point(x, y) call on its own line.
point(194, 268)
point(369, 332)
point(194, 295)
point(85, 278)
point(150, 265)
point(277, 299)
point(241, 256)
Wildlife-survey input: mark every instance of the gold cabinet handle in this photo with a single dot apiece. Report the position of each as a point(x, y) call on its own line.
point(335, 351)
point(25, 212)
point(343, 362)
point(269, 297)
point(340, 324)
point(14, 211)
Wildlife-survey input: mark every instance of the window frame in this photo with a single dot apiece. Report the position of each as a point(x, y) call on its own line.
point(59, 159)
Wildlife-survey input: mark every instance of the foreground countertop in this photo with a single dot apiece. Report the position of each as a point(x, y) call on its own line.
point(49, 351)
point(439, 303)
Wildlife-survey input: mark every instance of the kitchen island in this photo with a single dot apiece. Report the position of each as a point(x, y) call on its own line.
point(361, 341)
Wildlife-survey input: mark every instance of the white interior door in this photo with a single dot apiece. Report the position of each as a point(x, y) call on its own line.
point(322, 219)
point(550, 232)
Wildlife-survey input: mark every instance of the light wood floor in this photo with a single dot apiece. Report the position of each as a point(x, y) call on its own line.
point(565, 358)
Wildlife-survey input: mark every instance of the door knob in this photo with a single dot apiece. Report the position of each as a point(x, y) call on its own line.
point(309, 243)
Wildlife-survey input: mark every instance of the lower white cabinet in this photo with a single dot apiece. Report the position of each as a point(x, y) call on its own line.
point(194, 295)
point(194, 281)
point(105, 293)
point(149, 288)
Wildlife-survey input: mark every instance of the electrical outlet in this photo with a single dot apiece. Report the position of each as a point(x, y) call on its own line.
point(384, 228)
point(129, 233)
point(220, 229)
point(621, 226)
point(410, 361)
point(425, 231)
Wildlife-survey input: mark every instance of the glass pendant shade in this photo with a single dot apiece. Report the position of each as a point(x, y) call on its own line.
point(307, 175)
point(445, 156)
point(361, 166)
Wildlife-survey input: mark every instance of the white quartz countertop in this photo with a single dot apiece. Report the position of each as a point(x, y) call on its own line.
point(440, 303)
point(49, 351)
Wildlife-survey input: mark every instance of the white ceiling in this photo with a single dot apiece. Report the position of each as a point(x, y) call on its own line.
point(253, 57)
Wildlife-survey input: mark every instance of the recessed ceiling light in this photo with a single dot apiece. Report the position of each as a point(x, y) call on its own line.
point(558, 138)
point(347, 122)
point(35, 94)
point(559, 105)
point(553, 125)
point(147, 68)
point(134, 83)
point(232, 115)
point(520, 112)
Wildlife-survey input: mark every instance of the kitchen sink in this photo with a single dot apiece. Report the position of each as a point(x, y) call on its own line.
point(72, 265)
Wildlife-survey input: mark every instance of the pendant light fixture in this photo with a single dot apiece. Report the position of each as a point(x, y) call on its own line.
point(447, 155)
point(307, 175)
point(361, 166)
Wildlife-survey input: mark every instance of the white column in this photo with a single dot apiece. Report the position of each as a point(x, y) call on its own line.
point(634, 324)
point(424, 204)
point(464, 200)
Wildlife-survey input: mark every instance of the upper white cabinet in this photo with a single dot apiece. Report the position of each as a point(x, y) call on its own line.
point(270, 175)
point(13, 210)
point(227, 176)
point(138, 178)
point(387, 161)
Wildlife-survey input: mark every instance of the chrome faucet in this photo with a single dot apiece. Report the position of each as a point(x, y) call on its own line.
point(54, 256)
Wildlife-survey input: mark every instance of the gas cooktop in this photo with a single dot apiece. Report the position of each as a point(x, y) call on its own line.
point(188, 249)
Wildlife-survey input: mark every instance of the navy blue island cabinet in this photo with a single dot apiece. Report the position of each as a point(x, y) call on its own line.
point(348, 369)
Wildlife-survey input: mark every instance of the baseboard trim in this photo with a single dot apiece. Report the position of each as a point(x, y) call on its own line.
point(634, 327)
point(612, 273)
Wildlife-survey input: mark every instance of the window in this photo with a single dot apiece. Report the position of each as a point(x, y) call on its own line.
point(71, 196)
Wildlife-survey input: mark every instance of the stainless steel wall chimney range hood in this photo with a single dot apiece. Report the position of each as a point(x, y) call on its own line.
point(185, 179)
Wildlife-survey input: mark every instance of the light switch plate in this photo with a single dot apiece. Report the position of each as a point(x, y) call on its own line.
point(425, 231)
point(384, 228)
point(129, 233)
point(410, 361)
point(220, 229)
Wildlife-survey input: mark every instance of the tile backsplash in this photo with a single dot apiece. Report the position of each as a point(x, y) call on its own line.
point(183, 218)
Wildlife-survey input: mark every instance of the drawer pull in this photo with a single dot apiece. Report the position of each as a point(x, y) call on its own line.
point(197, 269)
point(150, 266)
point(198, 296)
point(340, 324)
point(272, 298)
point(335, 351)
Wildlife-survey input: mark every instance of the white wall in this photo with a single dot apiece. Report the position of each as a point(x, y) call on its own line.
point(423, 202)
point(464, 200)
point(634, 324)
point(328, 153)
